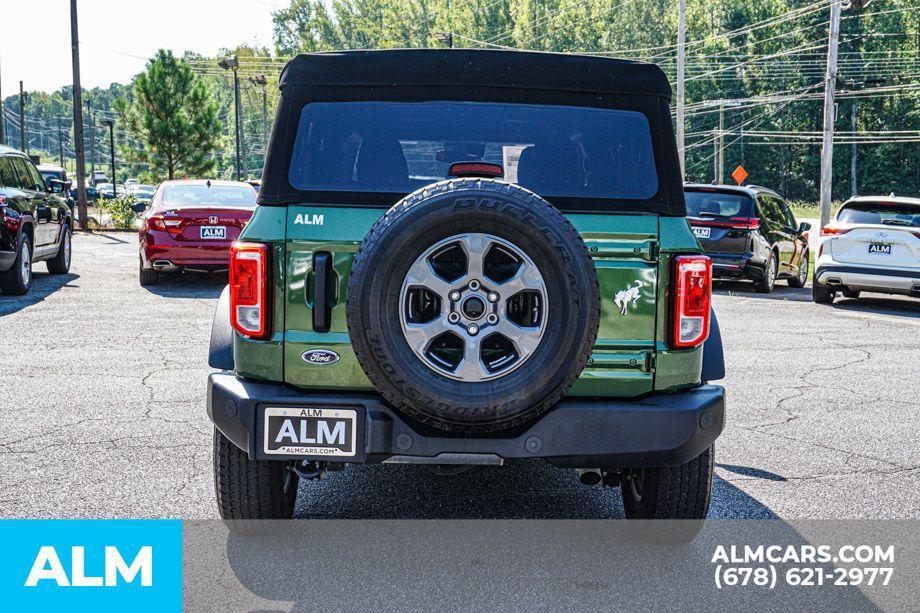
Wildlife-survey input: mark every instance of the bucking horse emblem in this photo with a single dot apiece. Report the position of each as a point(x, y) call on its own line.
point(630, 294)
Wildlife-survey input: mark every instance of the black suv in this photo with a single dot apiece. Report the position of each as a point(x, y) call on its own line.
point(750, 233)
point(35, 222)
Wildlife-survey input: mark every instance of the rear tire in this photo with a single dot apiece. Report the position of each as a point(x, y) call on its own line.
point(251, 489)
point(147, 277)
point(822, 294)
point(678, 492)
point(765, 284)
point(60, 265)
point(18, 279)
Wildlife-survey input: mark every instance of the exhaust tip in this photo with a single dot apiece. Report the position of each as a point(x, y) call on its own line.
point(589, 476)
point(833, 281)
point(163, 265)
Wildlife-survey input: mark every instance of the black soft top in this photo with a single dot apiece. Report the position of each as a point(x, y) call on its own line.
point(478, 67)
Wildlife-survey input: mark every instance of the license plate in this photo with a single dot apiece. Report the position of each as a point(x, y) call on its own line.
point(310, 431)
point(702, 232)
point(213, 232)
point(880, 248)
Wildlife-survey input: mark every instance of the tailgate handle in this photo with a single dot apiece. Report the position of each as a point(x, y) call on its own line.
point(323, 290)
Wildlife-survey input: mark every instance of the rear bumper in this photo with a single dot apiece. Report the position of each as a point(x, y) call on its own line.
point(866, 278)
point(656, 430)
point(212, 254)
point(735, 266)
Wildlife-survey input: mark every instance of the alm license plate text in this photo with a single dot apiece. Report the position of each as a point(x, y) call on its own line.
point(880, 248)
point(702, 232)
point(310, 432)
point(213, 232)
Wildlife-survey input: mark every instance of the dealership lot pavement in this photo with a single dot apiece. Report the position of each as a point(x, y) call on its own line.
point(102, 410)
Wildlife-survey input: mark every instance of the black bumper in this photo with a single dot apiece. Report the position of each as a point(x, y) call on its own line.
point(656, 430)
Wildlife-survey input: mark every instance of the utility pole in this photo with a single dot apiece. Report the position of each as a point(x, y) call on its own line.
point(2, 116)
point(721, 144)
point(830, 84)
point(681, 54)
point(78, 117)
point(92, 143)
point(111, 124)
point(853, 113)
point(22, 119)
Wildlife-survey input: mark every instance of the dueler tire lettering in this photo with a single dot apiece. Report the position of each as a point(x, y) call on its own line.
point(432, 214)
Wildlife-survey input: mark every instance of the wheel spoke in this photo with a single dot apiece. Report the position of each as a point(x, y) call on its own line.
point(525, 340)
point(419, 335)
point(423, 275)
point(526, 278)
point(475, 246)
point(471, 367)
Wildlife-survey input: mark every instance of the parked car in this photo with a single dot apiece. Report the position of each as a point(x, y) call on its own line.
point(91, 194)
point(872, 244)
point(50, 171)
point(98, 177)
point(468, 256)
point(750, 233)
point(141, 194)
point(105, 191)
point(35, 222)
point(190, 225)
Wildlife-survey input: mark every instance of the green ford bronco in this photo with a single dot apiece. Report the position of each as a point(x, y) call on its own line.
point(462, 257)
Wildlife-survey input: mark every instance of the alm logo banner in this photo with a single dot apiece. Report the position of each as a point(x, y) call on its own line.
point(75, 565)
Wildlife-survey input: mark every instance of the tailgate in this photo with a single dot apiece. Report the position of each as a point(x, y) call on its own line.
point(879, 246)
point(625, 251)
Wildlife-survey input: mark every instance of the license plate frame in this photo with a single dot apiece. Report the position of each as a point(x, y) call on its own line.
point(702, 232)
point(879, 248)
point(213, 233)
point(305, 441)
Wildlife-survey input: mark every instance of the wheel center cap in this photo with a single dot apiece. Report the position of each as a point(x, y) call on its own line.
point(474, 307)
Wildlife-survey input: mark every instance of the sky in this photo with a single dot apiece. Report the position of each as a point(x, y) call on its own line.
point(117, 36)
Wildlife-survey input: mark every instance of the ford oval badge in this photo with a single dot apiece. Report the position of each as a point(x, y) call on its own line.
point(320, 357)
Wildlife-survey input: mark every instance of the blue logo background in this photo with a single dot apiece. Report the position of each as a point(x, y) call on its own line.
point(22, 539)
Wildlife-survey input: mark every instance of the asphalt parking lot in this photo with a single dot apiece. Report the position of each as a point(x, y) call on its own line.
point(102, 411)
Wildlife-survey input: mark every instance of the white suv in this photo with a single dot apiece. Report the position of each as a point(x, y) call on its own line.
point(873, 244)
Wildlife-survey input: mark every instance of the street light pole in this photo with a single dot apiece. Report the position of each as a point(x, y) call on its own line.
point(232, 63)
point(111, 124)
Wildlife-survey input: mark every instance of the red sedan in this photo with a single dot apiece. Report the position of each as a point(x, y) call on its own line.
point(190, 225)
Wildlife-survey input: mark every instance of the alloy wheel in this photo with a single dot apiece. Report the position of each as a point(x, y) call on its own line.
point(473, 307)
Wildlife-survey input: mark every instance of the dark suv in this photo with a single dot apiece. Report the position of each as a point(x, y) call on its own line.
point(35, 222)
point(750, 233)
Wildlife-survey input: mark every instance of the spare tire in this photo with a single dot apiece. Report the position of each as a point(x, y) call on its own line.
point(473, 305)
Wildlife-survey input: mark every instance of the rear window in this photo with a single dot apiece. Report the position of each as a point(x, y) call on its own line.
point(215, 195)
point(714, 204)
point(880, 213)
point(398, 147)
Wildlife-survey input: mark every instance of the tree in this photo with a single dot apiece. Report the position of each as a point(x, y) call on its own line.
point(175, 116)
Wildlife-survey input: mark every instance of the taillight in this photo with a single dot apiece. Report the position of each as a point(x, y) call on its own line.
point(834, 230)
point(734, 223)
point(158, 222)
point(692, 285)
point(249, 289)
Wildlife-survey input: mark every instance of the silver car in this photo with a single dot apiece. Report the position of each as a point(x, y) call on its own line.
point(873, 244)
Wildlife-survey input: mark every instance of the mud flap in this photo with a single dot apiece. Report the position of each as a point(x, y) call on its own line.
point(220, 353)
point(713, 358)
